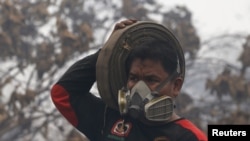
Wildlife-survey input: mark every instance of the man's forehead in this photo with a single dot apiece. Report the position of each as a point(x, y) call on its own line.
point(146, 66)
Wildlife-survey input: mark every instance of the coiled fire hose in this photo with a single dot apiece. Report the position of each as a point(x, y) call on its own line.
point(110, 67)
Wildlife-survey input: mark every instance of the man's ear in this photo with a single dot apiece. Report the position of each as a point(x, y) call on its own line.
point(177, 85)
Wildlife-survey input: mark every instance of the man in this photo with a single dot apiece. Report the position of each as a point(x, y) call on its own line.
point(146, 107)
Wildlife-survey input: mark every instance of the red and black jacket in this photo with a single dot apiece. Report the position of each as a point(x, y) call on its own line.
point(90, 115)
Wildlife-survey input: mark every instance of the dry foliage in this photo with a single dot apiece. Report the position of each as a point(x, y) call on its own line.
point(25, 113)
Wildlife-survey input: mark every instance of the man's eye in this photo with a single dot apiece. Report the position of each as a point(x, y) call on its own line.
point(151, 80)
point(132, 78)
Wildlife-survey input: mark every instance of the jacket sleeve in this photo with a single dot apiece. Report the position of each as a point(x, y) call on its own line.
point(72, 98)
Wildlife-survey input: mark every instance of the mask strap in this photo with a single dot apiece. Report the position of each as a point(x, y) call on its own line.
point(168, 79)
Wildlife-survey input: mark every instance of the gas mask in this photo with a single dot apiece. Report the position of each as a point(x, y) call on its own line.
point(140, 102)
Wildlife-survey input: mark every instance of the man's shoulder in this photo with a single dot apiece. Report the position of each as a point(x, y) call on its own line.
point(190, 127)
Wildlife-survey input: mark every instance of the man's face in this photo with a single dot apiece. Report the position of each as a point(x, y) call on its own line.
point(152, 73)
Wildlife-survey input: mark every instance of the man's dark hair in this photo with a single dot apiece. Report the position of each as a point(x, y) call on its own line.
point(156, 50)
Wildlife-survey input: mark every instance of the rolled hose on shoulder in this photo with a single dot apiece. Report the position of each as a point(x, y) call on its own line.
point(110, 67)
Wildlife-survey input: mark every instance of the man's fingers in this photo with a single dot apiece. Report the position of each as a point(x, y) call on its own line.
point(128, 22)
point(119, 25)
point(124, 23)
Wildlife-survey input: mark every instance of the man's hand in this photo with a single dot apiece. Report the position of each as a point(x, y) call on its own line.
point(123, 24)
